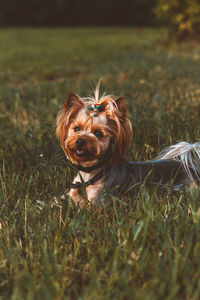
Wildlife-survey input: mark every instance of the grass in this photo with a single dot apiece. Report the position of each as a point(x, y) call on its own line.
point(142, 248)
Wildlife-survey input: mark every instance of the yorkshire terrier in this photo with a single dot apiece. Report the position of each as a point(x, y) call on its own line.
point(95, 133)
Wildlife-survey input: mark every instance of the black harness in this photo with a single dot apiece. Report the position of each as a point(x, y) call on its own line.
point(91, 181)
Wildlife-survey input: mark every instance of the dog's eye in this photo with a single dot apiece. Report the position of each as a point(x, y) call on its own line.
point(77, 128)
point(98, 133)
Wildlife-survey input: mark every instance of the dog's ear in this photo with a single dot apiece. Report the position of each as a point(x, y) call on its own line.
point(73, 102)
point(121, 129)
point(70, 109)
point(120, 102)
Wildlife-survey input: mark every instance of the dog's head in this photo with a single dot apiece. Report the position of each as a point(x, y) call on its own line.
point(89, 127)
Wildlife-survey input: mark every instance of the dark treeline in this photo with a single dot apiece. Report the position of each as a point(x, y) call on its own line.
point(76, 12)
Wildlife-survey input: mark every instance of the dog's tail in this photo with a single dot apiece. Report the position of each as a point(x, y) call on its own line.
point(189, 154)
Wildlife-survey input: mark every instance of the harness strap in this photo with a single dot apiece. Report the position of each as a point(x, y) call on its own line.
point(91, 181)
point(78, 185)
point(95, 178)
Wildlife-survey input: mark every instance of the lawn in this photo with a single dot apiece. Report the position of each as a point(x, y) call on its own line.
point(146, 247)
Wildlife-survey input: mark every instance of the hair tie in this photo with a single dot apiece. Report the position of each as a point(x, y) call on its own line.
point(96, 107)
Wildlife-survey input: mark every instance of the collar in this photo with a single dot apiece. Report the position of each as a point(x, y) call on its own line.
point(78, 185)
point(91, 181)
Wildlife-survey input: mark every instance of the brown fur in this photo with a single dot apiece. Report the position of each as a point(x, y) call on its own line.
point(76, 121)
point(113, 122)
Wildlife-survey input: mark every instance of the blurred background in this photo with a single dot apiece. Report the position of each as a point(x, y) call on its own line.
point(183, 17)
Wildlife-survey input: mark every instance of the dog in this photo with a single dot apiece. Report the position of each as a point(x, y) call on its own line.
point(95, 133)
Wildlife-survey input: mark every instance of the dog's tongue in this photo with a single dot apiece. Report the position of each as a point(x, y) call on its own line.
point(79, 152)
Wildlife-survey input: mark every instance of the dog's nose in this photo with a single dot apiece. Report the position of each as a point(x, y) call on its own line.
point(80, 142)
